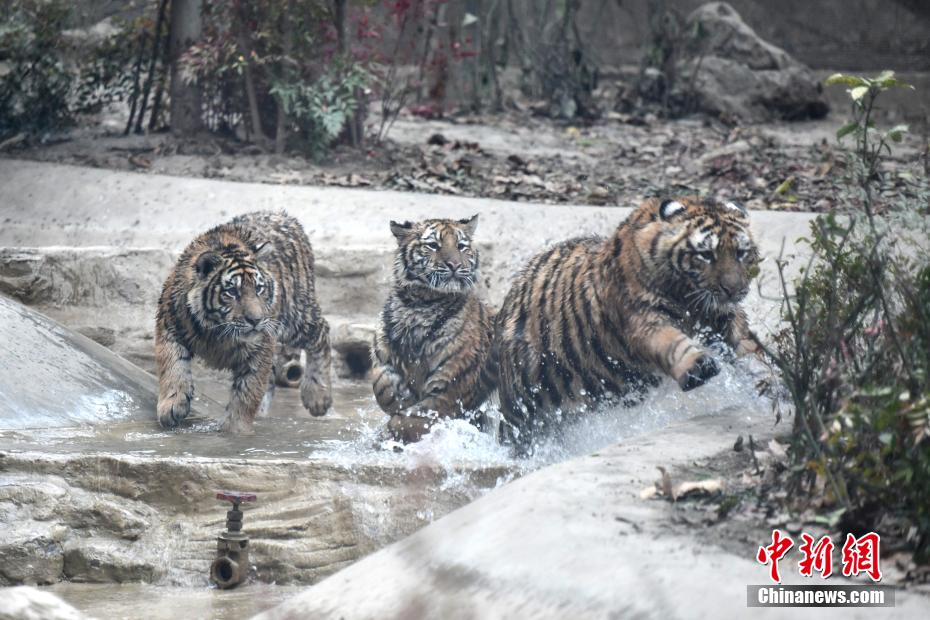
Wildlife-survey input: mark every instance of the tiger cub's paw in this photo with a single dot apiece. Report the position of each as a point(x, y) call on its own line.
point(236, 425)
point(173, 409)
point(703, 368)
point(747, 346)
point(409, 428)
point(316, 397)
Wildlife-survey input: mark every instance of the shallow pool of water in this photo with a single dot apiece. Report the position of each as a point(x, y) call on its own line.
point(132, 601)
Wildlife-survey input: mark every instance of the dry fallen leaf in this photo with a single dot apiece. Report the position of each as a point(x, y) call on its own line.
point(140, 162)
point(698, 487)
point(777, 449)
point(648, 492)
point(663, 487)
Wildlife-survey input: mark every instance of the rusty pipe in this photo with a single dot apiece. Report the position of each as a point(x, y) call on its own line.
point(289, 367)
point(226, 572)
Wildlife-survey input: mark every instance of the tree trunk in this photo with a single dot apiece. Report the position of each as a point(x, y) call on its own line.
point(158, 35)
point(354, 127)
point(185, 98)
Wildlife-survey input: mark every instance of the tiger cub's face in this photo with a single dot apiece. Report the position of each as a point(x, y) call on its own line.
point(232, 292)
point(703, 246)
point(437, 253)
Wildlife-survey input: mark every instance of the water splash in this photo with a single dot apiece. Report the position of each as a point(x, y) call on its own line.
point(457, 447)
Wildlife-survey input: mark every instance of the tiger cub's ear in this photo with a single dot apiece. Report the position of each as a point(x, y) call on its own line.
point(207, 262)
point(669, 208)
point(470, 224)
point(735, 206)
point(262, 249)
point(401, 231)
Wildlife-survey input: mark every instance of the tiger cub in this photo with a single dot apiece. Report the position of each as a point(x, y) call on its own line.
point(235, 292)
point(432, 351)
point(593, 319)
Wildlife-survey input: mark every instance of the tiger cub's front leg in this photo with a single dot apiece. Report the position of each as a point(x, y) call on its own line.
point(674, 353)
point(390, 389)
point(250, 383)
point(738, 335)
point(175, 382)
point(438, 402)
point(316, 387)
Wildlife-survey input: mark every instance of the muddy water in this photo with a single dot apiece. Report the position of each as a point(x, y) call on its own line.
point(104, 495)
point(130, 601)
point(349, 441)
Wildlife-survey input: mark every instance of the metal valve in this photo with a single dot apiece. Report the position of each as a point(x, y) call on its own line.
point(231, 566)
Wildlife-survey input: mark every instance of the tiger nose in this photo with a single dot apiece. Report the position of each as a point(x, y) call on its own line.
point(733, 290)
point(453, 265)
point(253, 320)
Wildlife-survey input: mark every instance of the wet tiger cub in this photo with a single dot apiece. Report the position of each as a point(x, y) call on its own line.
point(432, 351)
point(597, 318)
point(235, 292)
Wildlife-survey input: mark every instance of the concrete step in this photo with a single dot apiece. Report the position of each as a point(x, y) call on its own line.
point(350, 279)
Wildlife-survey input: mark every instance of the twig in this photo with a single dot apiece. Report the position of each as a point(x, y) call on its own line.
point(162, 78)
point(245, 45)
point(156, 42)
point(136, 72)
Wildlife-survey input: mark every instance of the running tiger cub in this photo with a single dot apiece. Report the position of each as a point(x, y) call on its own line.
point(593, 319)
point(234, 293)
point(432, 352)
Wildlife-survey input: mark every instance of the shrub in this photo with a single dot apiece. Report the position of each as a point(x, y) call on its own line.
point(35, 84)
point(283, 69)
point(855, 355)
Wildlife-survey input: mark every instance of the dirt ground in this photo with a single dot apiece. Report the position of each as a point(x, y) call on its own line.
point(741, 496)
point(617, 160)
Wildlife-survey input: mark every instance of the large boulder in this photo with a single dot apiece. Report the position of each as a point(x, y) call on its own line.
point(735, 73)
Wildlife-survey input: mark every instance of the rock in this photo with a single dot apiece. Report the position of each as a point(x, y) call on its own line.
point(30, 553)
point(59, 529)
point(727, 150)
point(352, 344)
point(725, 35)
point(26, 603)
point(739, 75)
point(103, 336)
point(105, 561)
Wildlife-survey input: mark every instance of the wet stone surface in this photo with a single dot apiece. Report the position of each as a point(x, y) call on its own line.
point(127, 501)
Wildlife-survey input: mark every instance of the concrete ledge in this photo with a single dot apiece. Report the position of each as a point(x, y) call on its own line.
point(87, 207)
point(93, 248)
point(573, 540)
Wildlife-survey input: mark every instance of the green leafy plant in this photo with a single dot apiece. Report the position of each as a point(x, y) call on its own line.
point(283, 71)
point(104, 76)
point(855, 355)
point(321, 109)
point(35, 83)
point(46, 78)
point(870, 143)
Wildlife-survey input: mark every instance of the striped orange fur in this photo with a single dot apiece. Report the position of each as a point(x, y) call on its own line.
point(596, 319)
point(432, 352)
point(235, 292)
